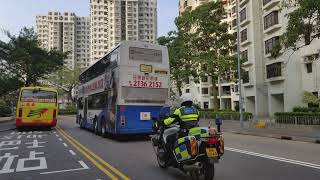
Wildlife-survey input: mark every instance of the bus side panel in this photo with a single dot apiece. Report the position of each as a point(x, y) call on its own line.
point(129, 119)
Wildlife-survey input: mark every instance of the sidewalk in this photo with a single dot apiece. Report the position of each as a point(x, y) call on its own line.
point(6, 119)
point(297, 133)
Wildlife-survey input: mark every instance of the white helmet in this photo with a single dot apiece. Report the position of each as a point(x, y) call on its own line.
point(187, 97)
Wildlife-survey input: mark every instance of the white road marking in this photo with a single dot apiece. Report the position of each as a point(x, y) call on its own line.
point(57, 135)
point(60, 139)
point(65, 144)
point(72, 152)
point(291, 161)
point(84, 166)
point(55, 132)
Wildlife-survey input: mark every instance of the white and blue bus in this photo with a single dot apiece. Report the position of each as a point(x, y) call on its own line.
point(122, 91)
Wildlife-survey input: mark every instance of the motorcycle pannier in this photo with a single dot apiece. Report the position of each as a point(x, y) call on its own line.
point(182, 148)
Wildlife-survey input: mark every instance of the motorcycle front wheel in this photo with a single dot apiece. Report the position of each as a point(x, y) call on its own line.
point(162, 162)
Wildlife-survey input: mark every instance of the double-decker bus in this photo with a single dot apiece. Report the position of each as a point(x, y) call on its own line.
point(122, 91)
point(37, 106)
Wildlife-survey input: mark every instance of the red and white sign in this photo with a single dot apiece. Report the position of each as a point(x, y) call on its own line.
point(146, 81)
point(94, 86)
point(144, 116)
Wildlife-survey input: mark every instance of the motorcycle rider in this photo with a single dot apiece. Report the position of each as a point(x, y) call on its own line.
point(187, 116)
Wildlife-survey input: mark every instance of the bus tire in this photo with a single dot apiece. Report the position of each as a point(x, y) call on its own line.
point(81, 123)
point(103, 130)
point(95, 126)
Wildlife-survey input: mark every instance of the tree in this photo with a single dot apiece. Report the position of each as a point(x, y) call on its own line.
point(310, 98)
point(303, 22)
point(65, 80)
point(178, 58)
point(25, 61)
point(208, 41)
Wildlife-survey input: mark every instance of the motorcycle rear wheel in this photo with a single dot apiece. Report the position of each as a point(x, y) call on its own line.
point(208, 171)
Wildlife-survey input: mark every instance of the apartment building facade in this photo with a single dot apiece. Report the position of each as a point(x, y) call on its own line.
point(68, 33)
point(273, 84)
point(115, 20)
point(202, 91)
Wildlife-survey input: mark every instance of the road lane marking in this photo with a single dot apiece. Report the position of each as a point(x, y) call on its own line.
point(84, 167)
point(291, 161)
point(57, 135)
point(65, 144)
point(113, 169)
point(60, 139)
point(99, 166)
point(72, 152)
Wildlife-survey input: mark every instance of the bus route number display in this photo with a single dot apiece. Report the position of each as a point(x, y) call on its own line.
point(145, 82)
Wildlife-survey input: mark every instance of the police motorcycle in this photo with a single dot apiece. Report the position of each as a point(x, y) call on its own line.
point(195, 150)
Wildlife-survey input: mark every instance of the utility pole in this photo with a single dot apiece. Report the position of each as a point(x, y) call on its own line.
point(239, 65)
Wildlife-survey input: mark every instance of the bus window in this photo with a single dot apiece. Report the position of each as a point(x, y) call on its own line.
point(38, 96)
point(80, 103)
point(97, 101)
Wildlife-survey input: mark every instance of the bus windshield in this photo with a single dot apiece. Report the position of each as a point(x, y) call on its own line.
point(38, 96)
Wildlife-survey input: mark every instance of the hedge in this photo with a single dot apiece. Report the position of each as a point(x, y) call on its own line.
point(67, 112)
point(5, 111)
point(306, 109)
point(299, 114)
point(225, 115)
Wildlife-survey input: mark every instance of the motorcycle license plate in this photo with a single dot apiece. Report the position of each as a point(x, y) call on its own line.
point(212, 152)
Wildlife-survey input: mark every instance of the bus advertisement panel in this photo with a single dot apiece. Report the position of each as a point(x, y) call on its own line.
point(121, 92)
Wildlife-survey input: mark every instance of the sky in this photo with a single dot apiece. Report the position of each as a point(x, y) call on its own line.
point(16, 14)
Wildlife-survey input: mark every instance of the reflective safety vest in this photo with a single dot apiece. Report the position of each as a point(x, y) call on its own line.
point(184, 113)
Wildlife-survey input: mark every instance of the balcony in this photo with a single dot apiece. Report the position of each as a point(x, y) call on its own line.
point(272, 29)
point(242, 2)
point(274, 72)
point(268, 4)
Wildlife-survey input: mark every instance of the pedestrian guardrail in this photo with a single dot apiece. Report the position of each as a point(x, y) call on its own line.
point(298, 120)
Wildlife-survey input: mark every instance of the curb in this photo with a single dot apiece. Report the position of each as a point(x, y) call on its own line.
point(4, 121)
point(3, 130)
point(282, 137)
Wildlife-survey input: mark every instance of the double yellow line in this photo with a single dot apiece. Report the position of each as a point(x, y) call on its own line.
point(105, 167)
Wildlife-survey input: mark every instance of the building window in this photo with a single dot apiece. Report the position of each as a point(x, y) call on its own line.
point(265, 2)
point(204, 79)
point(244, 55)
point(271, 19)
point(309, 67)
point(244, 35)
point(187, 81)
point(234, 22)
point(234, 10)
point(246, 77)
point(270, 43)
point(205, 105)
point(187, 90)
point(274, 70)
point(243, 15)
point(204, 90)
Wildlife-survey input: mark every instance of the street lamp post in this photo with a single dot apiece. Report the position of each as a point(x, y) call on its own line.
point(239, 65)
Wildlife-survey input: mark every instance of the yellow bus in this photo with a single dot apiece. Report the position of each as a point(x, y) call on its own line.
point(37, 106)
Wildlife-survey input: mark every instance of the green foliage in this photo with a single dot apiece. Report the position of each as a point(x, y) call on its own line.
point(24, 62)
point(303, 22)
point(69, 110)
point(65, 80)
point(297, 114)
point(225, 115)
point(5, 110)
point(310, 98)
point(306, 109)
point(206, 38)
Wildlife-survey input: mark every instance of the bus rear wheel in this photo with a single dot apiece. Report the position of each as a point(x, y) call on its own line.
point(103, 128)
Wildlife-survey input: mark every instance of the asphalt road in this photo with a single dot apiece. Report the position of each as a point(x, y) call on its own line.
point(69, 152)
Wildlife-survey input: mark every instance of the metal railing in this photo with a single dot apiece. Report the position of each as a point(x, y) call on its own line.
point(298, 120)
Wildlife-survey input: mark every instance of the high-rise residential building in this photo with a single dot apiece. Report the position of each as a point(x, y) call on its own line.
point(115, 20)
point(68, 33)
point(228, 93)
point(273, 84)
